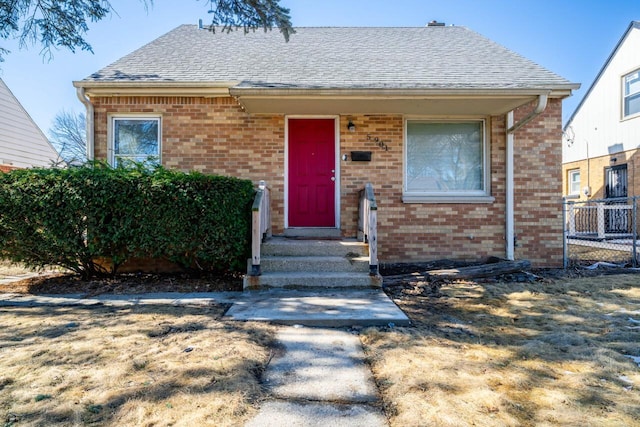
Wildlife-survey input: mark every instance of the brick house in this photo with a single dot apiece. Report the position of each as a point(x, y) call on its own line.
point(460, 137)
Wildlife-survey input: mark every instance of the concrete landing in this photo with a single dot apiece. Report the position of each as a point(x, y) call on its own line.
point(326, 308)
point(320, 379)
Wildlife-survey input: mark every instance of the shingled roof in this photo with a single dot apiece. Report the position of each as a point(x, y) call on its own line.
point(449, 57)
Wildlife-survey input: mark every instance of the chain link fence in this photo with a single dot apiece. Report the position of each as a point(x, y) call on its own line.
point(603, 230)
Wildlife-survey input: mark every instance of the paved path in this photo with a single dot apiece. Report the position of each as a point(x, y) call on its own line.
point(15, 278)
point(330, 308)
point(319, 378)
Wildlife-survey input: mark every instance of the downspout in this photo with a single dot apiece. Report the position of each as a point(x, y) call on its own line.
point(509, 199)
point(82, 96)
point(542, 105)
point(509, 209)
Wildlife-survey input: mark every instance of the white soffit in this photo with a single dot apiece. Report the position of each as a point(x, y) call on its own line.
point(374, 105)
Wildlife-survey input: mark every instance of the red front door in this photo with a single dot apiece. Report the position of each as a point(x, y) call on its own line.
point(312, 173)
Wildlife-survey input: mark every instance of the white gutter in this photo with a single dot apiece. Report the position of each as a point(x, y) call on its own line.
point(542, 104)
point(509, 197)
point(270, 92)
point(89, 121)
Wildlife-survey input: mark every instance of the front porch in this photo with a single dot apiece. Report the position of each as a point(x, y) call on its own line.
point(313, 258)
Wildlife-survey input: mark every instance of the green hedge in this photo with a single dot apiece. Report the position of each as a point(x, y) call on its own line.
point(71, 217)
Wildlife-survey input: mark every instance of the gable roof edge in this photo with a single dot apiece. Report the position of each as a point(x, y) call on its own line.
point(47, 143)
point(633, 24)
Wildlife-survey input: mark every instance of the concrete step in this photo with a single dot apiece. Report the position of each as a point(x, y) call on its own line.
point(302, 247)
point(314, 264)
point(326, 279)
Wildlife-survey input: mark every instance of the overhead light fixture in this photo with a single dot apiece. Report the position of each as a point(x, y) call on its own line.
point(351, 126)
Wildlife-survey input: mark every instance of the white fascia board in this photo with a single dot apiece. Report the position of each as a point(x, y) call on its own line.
point(206, 89)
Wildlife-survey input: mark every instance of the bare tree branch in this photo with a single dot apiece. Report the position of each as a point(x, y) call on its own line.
point(68, 136)
point(56, 24)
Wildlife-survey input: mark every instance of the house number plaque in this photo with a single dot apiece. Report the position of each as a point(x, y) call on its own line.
point(380, 143)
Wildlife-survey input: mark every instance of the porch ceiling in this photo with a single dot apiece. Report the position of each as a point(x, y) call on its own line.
point(433, 105)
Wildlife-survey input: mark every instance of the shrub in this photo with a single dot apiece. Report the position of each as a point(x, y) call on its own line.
point(71, 217)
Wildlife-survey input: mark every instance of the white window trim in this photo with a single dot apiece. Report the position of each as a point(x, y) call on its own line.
point(570, 173)
point(110, 133)
point(483, 196)
point(624, 96)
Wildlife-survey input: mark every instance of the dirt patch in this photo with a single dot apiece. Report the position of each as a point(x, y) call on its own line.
point(125, 284)
point(411, 278)
point(411, 281)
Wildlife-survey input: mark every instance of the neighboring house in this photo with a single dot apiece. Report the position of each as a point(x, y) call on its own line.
point(22, 143)
point(459, 136)
point(601, 140)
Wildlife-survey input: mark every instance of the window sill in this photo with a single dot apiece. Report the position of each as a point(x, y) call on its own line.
point(413, 198)
point(572, 196)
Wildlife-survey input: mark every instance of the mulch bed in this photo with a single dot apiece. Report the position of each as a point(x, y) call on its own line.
point(58, 283)
point(125, 284)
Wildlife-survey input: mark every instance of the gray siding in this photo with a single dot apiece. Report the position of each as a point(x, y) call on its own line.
point(22, 143)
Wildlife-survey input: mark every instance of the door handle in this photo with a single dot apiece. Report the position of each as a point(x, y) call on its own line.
point(333, 178)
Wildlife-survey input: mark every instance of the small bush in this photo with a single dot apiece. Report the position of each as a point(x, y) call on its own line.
point(71, 217)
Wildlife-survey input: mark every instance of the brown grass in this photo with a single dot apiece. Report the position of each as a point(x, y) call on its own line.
point(142, 366)
point(579, 254)
point(10, 269)
point(517, 354)
point(482, 353)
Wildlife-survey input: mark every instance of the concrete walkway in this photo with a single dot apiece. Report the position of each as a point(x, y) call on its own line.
point(319, 378)
point(15, 278)
point(329, 308)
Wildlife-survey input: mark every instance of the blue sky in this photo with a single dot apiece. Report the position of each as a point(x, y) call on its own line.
point(572, 38)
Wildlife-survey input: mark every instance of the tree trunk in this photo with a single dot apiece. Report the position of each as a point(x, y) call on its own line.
point(476, 271)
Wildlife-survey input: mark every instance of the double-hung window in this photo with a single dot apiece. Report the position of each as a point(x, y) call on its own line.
point(446, 161)
point(135, 139)
point(631, 94)
point(574, 182)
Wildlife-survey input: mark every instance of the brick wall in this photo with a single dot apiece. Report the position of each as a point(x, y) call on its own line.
point(7, 168)
point(211, 135)
point(214, 135)
point(538, 186)
point(593, 171)
point(417, 231)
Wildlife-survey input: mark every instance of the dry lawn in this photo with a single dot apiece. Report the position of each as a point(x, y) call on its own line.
point(9, 269)
point(516, 354)
point(129, 366)
point(579, 254)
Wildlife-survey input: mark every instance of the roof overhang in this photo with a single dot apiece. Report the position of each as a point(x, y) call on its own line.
point(151, 88)
point(387, 101)
point(323, 101)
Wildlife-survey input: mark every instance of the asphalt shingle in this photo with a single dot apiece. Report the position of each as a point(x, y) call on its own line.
point(332, 58)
